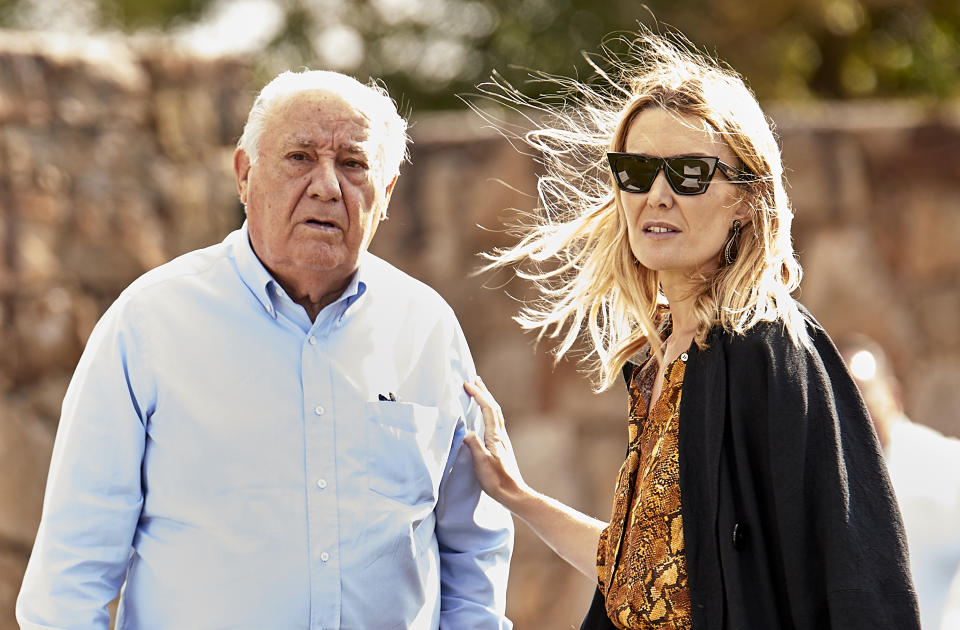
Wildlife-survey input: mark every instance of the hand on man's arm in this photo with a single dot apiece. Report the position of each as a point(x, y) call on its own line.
point(475, 536)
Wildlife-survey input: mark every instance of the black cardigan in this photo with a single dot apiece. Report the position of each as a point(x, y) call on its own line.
point(789, 518)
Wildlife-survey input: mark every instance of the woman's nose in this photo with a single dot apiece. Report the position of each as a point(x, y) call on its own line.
point(660, 193)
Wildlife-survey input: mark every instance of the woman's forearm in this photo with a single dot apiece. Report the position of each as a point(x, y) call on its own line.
point(573, 535)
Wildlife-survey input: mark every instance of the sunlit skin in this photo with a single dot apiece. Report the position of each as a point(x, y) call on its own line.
point(697, 226)
point(314, 196)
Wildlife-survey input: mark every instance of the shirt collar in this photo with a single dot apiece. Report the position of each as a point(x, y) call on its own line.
point(251, 270)
point(355, 291)
point(262, 284)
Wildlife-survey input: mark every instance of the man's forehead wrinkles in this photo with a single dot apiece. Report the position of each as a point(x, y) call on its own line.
point(344, 123)
point(327, 120)
point(352, 145)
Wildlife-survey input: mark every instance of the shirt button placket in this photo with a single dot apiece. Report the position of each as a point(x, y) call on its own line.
point(322, 505)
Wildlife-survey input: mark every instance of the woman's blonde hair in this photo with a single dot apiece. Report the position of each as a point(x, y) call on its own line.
point(575, 249)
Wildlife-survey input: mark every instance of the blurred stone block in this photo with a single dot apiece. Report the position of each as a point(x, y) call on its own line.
point(930, 244)
point(43, 335)
point(186, 122)
point(25, 447)
point(12, 565)
point(37, 250)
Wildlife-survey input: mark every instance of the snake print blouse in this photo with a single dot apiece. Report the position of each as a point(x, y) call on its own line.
point(641, 563)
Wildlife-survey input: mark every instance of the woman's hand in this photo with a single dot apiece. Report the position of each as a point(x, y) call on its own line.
point(572, 534)
point(494, 461)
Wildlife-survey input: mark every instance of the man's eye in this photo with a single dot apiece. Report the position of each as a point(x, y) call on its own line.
point(355, 164)
point(299, 157)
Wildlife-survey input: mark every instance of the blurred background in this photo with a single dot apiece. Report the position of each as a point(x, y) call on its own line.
point(117, 125)
point(429, 50)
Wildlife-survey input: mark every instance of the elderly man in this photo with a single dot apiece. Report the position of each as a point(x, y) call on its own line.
point(268, 433)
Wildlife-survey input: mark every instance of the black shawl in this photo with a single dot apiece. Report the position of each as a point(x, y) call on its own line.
point(790, 521)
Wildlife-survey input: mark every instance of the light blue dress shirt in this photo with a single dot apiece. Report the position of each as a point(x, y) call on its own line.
point(232, 464)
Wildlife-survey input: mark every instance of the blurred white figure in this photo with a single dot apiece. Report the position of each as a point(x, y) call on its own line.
point(951, 611)
point(924, 467)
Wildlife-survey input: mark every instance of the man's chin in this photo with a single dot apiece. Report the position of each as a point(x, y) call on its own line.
point(328, 262)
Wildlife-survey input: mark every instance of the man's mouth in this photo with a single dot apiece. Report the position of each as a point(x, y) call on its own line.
point(326, 225)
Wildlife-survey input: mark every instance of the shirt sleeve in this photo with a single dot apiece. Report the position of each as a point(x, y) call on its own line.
point(474, 532)
point(93, 495)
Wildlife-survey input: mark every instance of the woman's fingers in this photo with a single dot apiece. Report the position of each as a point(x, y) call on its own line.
point(482, 395)
point(495, 463)
point(493, 423)
point(477, 448)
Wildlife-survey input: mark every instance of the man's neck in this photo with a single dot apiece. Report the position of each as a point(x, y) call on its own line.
point(316, 292)
point(315, 302)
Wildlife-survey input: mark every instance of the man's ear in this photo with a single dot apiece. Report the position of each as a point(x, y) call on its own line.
point(386, 196)
point(241, 168)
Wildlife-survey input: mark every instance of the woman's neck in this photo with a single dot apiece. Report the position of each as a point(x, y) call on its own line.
point(682, 301)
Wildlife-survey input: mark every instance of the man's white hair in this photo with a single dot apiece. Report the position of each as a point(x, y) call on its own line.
point(373, 101)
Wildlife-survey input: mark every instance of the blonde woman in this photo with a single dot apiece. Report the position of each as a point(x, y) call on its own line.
point(753, 494)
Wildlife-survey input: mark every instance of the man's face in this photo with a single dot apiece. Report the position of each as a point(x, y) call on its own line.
point(316, 192)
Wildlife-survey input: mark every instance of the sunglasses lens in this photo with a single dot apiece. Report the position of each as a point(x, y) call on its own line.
point(634, 173)
point(690, 175)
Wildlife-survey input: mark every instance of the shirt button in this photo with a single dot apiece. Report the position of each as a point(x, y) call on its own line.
point(321, 483)
point(684, 357)
point(324, 556)
point(312, 340)
point(279, 291)
point(319, 410)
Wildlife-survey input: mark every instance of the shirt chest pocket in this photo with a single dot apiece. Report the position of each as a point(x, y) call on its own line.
point(406, 451)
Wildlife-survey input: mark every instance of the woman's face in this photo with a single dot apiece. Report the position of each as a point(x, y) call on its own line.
point(679, 235)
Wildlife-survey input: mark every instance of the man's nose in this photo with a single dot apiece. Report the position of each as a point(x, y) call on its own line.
point(324, 183)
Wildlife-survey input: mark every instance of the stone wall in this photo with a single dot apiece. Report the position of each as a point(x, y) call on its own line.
point(112, 161)
point(115, 158)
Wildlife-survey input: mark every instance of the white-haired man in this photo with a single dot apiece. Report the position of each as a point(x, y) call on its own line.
point(267, 433)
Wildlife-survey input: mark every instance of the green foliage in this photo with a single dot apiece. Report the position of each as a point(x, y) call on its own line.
point(427, 51)
point(134, 14)
point(787, 49)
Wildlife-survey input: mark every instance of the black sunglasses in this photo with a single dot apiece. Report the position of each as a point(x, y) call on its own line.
point(687, 174)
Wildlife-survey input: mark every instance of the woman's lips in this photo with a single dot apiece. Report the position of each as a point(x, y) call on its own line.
point(659, 229)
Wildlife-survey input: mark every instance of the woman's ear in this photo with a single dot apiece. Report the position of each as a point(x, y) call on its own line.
point(743, 211)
